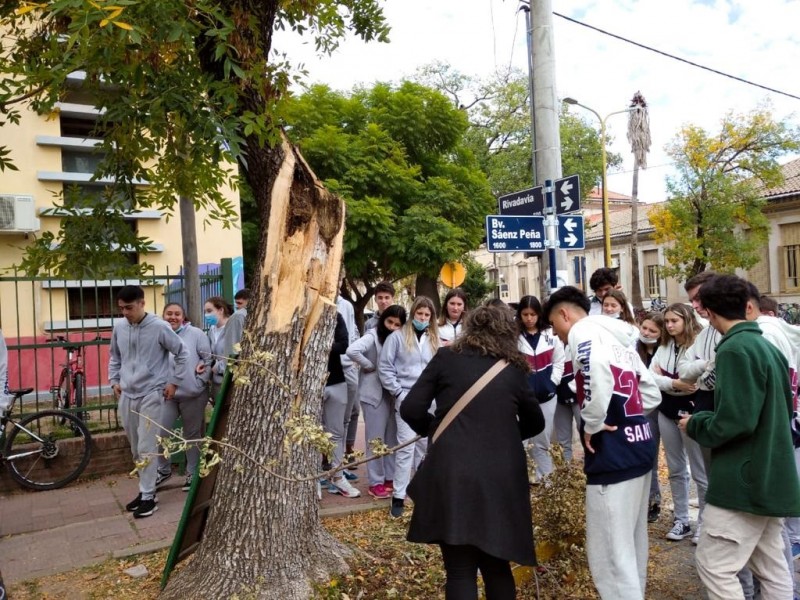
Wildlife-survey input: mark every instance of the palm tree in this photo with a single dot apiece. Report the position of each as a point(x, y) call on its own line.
point(639, 138)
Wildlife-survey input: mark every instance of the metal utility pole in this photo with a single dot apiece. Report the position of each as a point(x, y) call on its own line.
point(547, 139)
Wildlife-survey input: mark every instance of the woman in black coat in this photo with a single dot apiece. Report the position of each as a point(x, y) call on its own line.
point(471, 492)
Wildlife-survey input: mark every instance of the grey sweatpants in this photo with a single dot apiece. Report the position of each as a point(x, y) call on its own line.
point(353, 405)
point(563, 429)
point(678, 447)
point(191, 411)
point(334, 403)
point(616, 537)
point(142, 433)
point(379, 422)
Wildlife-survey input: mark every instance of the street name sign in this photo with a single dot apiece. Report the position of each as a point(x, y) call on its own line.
point(524, 204)
point(514, 234)
point(570, 232)
point(568, 195)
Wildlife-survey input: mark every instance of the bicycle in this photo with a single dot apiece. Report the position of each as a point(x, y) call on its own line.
point(72, 380)
point(45, 450)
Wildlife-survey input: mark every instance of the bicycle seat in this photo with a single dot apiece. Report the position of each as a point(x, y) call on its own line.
point(20, 392)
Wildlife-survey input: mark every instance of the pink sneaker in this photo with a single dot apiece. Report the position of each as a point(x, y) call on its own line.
point(389, 485)
point(379, 492)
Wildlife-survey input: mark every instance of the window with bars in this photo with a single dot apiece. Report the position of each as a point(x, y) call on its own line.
point(653, 281)
point(791, 262)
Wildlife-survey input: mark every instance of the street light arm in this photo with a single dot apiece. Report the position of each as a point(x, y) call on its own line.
point(603, 174)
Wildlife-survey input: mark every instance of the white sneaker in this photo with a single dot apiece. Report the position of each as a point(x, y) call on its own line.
point(696, 536)
point(344, 488)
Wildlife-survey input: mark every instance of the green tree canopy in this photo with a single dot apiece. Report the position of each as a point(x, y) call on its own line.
point(415, 195)
point(184, 89)
point(714, 217)
point(500, 129)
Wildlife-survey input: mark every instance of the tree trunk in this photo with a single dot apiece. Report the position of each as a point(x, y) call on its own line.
point(263, 538)
point(427, 286)
point(636, 284)
point(191, 273)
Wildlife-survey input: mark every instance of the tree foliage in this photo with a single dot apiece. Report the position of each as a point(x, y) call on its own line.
point(714, 217)
point(475, 286)
point(185, 89)
point(500, 129)
point(415, 196)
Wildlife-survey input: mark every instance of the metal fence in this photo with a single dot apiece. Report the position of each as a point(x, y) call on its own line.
point(41, 317)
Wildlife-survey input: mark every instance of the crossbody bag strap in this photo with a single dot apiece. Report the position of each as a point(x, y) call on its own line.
point(465, 399)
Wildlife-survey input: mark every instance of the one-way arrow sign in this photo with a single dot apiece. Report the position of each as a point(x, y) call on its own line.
point(568, 195)
point(570, 232)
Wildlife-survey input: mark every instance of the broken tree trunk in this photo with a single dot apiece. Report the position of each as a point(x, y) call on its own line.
point(264, 538)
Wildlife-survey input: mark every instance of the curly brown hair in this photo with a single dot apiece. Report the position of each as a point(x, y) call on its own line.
point(491, 331)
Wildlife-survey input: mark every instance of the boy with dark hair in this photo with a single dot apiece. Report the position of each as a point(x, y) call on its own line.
point(234, 328)
point(752, 482)
point(768, 306)
point(602, 281)
point(141, 377)
point(241, 298)
point(384, 298)
point(614, 390)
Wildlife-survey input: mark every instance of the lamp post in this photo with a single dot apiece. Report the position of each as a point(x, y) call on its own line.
point(603, 182)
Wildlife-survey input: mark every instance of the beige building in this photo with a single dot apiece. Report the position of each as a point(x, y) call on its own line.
point(777, 274)
point(52, 152)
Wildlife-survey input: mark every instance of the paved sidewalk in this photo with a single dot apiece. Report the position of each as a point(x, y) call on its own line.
point(43, 533)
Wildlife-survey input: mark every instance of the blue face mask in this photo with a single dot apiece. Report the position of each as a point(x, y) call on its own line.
point(418, 325)
point(210, 319)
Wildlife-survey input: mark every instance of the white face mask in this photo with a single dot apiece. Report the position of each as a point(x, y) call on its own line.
point(614, 315)
point(647, 340)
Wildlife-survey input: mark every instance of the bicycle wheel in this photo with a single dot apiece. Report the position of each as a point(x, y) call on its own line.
point(78, 397)
point(47, 450)
point(64, 391)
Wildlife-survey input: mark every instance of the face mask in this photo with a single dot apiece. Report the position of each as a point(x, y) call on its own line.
point(210, 319)
point(181, 328)
point(647, 340)
point(614, 315)
point(418, 325)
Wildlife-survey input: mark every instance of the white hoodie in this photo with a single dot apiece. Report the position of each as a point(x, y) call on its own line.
point(614, 388)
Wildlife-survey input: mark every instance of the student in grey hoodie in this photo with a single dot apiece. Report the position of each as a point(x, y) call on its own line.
point(191, 396)
point(141, 376)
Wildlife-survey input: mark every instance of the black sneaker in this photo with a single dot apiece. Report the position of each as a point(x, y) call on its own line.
point(134, 504)
point(145, 508)
point(162, 477)
point(653, 512)
point(397, 508)
point(679, 531)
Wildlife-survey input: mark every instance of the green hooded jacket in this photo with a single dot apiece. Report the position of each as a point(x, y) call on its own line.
point(752, 456)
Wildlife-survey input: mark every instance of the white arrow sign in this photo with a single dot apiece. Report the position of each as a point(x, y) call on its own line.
point(567, 202)
point(571, 239)
point(570, 225)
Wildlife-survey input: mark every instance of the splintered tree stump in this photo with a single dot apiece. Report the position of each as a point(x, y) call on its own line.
point(263, 538)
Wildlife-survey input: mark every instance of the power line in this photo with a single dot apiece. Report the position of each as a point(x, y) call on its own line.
point(678, 58)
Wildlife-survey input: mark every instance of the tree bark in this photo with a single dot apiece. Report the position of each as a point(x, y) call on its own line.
point(636, 284)
point(263, 538)
point(191, 274)
point(427, 286)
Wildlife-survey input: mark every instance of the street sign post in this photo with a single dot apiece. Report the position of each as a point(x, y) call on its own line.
point(524, 204)
point(568, 195)
point(514, 234)
point(570, 232)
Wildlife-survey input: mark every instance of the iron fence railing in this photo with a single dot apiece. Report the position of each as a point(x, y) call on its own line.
point(41, 317)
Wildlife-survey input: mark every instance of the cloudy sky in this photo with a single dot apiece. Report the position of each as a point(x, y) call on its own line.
point(757, 41)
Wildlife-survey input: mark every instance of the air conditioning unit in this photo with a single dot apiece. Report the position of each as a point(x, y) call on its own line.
point(17, 214)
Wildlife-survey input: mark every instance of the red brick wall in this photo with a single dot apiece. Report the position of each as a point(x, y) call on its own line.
point(111, 454)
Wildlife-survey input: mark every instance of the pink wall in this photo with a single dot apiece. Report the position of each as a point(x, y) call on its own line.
point(39, 368)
